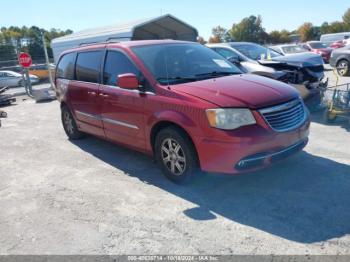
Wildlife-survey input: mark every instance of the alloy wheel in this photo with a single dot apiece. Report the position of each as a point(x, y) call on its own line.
point(173, 156)
point(68, 121)
point(342, 68)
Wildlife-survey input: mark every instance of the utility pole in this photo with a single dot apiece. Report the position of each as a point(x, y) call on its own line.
point(47, 60)
point(22, 71)
point(28, 84)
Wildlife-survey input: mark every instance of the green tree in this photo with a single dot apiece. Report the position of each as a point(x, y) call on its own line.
point(214, 39)
point(306, 32)
point(336, 27)
point(325, 28)
point(249, 29)
point(279, 37)
point(346, 19)
point(201, 40)
point(219, 34)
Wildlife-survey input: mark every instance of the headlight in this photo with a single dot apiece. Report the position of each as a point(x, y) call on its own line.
point(230, 118)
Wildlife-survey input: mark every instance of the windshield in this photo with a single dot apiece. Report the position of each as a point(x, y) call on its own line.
point(317, 45)
point(185, 62)
point(255, 52)
point(292, 49)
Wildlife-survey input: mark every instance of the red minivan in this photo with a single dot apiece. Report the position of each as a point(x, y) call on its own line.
point(182, 103)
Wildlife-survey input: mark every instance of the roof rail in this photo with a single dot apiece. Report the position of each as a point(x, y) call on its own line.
point(108, 40)
point(90, 43)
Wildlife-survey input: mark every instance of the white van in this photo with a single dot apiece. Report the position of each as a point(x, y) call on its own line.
point(331, 38)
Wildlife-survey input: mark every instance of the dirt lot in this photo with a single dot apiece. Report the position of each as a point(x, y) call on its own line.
point(92, 197)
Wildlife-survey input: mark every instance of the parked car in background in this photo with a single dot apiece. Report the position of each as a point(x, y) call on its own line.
point(288, 49)
point(346, 41)
point(340, 59)
point(182, 103)
point(337, 44)
point(331, 38)
point(12, 79)
point(41, 70)
point(304, 71)
point(319, 48)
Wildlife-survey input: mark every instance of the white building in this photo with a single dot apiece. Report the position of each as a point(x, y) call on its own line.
point(162, 27)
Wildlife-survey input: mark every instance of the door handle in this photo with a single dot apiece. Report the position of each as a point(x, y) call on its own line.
point(104, 95)
point(92, 93)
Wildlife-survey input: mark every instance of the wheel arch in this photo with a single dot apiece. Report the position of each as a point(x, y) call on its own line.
point(342, 57)
point(164, 124)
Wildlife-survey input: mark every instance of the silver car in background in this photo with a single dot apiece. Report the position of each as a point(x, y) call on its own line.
point(288, 49)
point(12, 79)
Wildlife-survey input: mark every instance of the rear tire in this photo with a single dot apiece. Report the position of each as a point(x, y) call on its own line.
point(69, 124)
point(175, 154)
point(343, 68)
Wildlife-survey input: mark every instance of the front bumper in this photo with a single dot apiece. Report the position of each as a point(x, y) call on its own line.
point(259, 160)
point(222, 152)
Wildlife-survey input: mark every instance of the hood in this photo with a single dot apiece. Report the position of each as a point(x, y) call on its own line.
point(244, 90)
point(300, 60)
point(343, 50)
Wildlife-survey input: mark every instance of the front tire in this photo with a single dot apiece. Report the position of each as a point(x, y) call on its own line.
point(343, 68)
point(69, 124)
point(176, 155)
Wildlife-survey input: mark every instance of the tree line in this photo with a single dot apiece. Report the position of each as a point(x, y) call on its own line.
point(15, 39)
point(28, 39)
point(250, 29)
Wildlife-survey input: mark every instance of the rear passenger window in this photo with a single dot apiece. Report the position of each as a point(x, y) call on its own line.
point(88, 66)
point(116, 64)
point(65, 68)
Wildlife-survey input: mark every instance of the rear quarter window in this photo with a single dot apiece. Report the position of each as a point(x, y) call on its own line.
point(65, 67)
point(88, 66)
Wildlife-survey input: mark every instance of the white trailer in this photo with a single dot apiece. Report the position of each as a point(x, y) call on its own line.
point(162, 27)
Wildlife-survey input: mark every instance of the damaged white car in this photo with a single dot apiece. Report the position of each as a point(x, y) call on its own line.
point(304, 71)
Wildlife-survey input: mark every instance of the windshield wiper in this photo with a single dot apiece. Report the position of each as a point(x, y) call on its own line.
point(218, 73)
point(176, 79)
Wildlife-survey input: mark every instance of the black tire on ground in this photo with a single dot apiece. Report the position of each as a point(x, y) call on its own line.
point(175, 154)
point(69, 124)
point(343, 67)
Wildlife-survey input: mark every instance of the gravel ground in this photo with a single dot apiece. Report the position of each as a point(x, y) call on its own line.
point(93, 197)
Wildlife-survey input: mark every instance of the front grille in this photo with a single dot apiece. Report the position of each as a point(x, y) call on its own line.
point(285, 117)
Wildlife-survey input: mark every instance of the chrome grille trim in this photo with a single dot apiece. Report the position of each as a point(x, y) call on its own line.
point(286, 116)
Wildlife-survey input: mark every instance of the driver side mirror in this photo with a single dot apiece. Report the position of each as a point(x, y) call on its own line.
point(128, 81)
point(234, 60)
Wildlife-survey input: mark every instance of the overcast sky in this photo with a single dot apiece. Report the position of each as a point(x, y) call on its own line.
point(202, 14)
